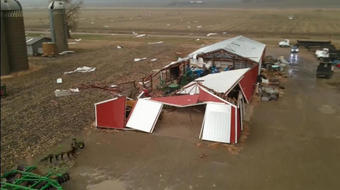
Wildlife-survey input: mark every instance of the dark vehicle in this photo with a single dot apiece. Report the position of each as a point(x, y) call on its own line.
point(294, 49)
point(324, 70)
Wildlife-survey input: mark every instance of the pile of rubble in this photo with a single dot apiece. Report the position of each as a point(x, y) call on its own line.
point(273, 74)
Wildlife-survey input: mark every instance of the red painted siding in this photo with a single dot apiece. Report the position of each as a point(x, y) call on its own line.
point(184, 100)
point(111, 114)
point(248, 83)
point(205, 97)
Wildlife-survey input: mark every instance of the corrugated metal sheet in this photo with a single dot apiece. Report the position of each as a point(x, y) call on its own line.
point(180, 60)
point(216, 123)
point(33, 40)
point(111, 113)
point(239, 45)
point(221, 82)
point(144, 115)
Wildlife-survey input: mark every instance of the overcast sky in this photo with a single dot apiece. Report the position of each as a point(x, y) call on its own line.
point(178, 3)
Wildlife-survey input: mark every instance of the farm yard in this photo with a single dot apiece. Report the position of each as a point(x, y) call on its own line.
point(292, 143)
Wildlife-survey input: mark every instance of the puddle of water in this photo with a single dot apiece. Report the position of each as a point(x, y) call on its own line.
point(107, 184)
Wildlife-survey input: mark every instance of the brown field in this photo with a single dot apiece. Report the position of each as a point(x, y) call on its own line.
point(317, 23)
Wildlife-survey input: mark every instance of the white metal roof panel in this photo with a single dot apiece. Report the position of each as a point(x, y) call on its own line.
point(220, 82)
point(239, 45)
point(216, 123)
point(145, 115)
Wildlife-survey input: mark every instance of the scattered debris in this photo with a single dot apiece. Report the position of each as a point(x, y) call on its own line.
point(292, 17)
point(60, 93)
point(140, 35)
point(197, 39)
point(74, 89)
point(153, 43)
point(66, 52)
point(119, 47)
point(139, 59)
point(78, 40)
point(211, 34)
point(59, 80)
point(72, 43)
point(83, 69)
point(203, 155)
point(200, 26)
point(153, 60)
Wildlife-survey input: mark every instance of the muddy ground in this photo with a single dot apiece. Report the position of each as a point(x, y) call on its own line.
point(293, 143)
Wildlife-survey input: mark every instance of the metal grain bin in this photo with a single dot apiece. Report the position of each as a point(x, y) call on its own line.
point(58, 25)
point(13, 43)
point(4, 53)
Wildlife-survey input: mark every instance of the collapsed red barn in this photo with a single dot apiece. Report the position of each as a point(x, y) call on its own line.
point(224, 93)
point(222, 119)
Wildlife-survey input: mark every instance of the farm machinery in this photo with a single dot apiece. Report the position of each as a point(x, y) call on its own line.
point(25, 178)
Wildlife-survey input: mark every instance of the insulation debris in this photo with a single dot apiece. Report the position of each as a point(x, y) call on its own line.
point(66, 52)
point(211, 34)
point(83, 69)
point(139, 59)
point(153, 43)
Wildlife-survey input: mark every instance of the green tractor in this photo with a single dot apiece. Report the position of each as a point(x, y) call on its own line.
point(23, 178)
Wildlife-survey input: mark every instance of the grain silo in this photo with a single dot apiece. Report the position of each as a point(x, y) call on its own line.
point(58, 25)
point(13, 42)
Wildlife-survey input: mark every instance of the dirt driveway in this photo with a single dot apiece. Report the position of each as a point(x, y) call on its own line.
point(293, 144)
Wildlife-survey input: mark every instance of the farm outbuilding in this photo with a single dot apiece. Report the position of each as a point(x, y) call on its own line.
point(231, 54)
point(34, 45)
point(221, 78)
point(234, 53)
point(223, 113)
